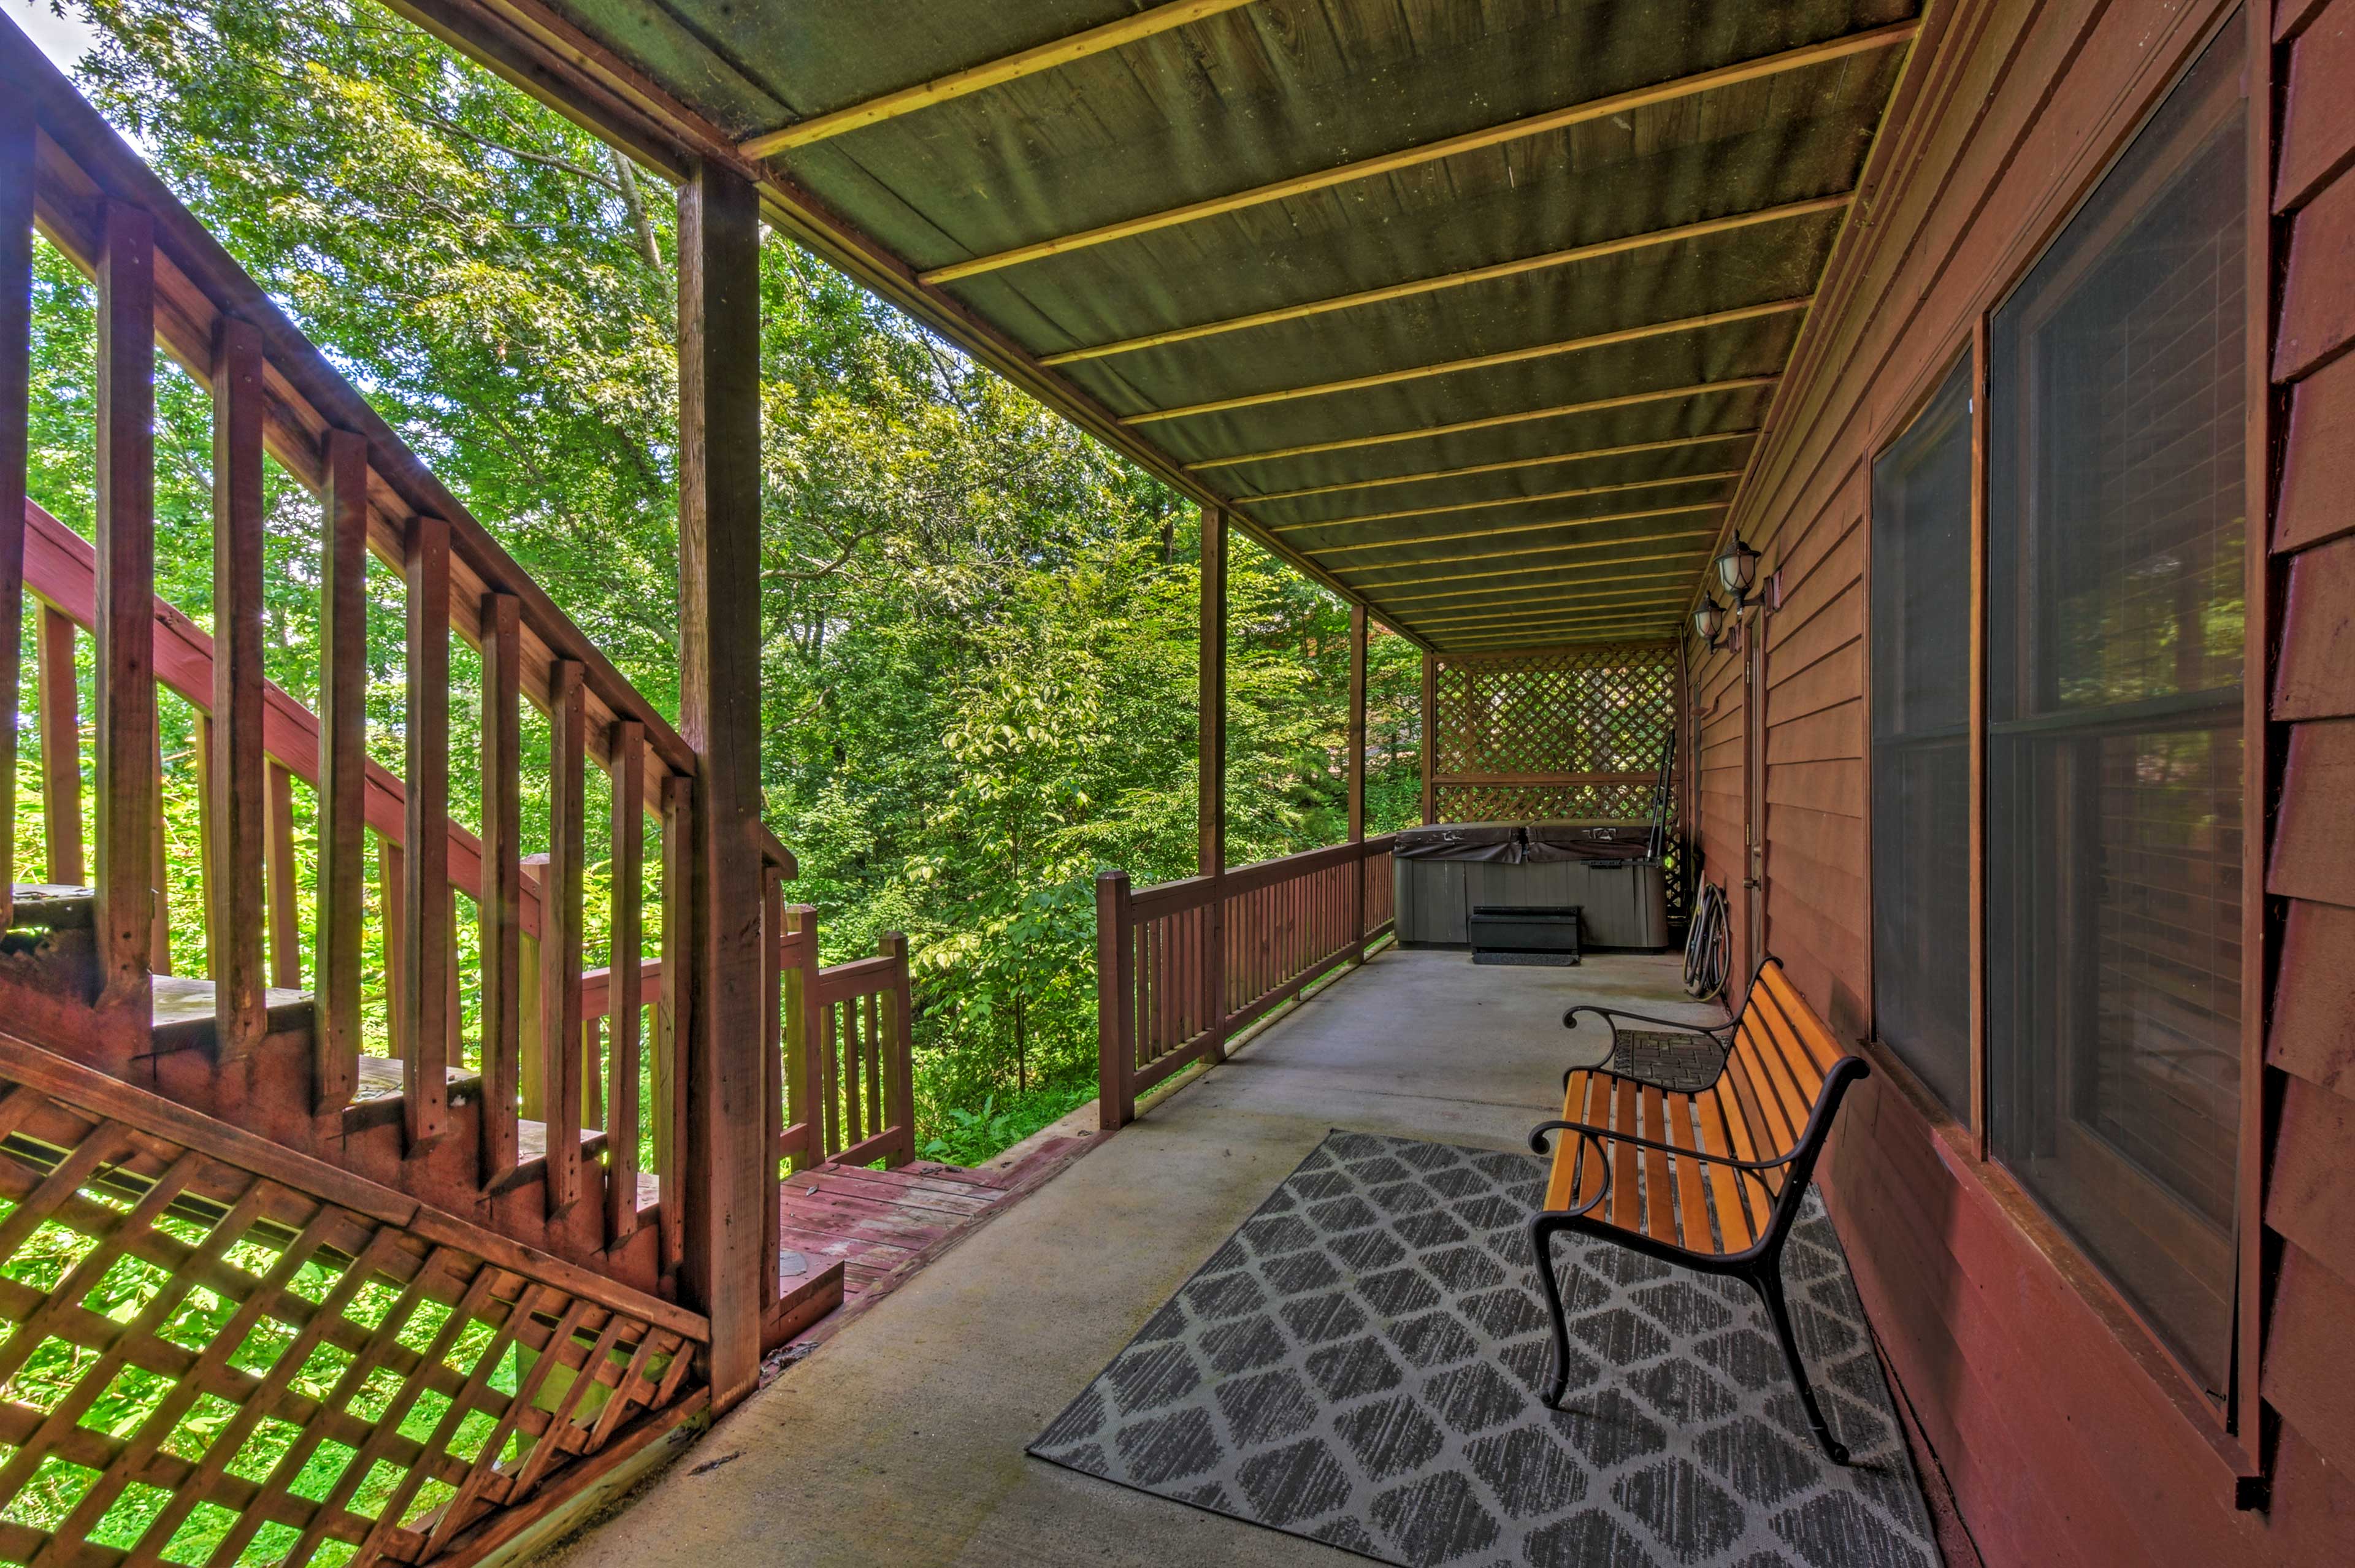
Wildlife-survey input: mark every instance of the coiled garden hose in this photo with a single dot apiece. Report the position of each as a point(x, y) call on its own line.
point(1708, 945)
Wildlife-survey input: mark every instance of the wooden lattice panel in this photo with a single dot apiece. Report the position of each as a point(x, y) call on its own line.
point(1583, 709)
point(209, 1365)
point(1557, 733)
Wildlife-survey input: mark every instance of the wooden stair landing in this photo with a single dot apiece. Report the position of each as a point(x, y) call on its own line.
point(882, 1226)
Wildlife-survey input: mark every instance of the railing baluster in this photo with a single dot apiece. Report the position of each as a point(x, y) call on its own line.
point(285, 916)
point(234, 931)
point(425, 883)
point(898, 1024)
point(802, 1074)
point(772, 1073)
point(561, 933)
point(159, 921)
point(59, 718)
point(499, 908)
point(125, 881)
point(670, 1098)
point(17, 174)
point(625, 988)
point(393, 900)
point(878, 1112)
point(342, 820)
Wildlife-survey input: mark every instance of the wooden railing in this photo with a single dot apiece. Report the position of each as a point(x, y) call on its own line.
point(163, 281)
point(1182, 967)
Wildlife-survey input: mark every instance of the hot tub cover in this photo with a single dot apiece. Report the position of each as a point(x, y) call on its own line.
point(1594, 839)
point(1497, 842)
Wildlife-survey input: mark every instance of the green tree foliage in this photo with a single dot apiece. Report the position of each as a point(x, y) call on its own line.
point(979, 628)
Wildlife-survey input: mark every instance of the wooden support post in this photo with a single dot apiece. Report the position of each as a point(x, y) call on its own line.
point(499, 908)
point(60, 721)
point(125, 881)
point(896, 1046)
point(624, 987)
point(532, 1066)
point(1430, 737)
point(1355, 903)
point(342, 818)
point(238, 921)
point(285, 914)
point(561, 932)
point(798, 1003)
point(1210, 787)
point(772, 1066)
point(392, 902)
point(17, 179)
point(669, 1109)
point(425, 832)
point(719, 716)
point(1115, 1001)
point(159, 924)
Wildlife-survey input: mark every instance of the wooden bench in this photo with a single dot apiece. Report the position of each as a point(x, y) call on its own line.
point(1706, 1170)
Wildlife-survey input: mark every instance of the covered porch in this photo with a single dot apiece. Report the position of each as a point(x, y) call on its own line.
point(919, 1411)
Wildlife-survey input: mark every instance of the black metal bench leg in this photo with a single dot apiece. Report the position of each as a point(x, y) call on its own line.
point(1768, 1283)
point(1542, 1233)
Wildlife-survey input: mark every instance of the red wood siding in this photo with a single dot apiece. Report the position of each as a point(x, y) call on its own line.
point(2061, 1427)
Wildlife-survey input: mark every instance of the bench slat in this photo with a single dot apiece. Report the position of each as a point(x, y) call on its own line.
point(1783, 1038)
point(1660, 1193)
point(1625, 1187)
point(1727, 1184)
point(1691, 1199)
point(1778, 1126)
point(1811, 1031)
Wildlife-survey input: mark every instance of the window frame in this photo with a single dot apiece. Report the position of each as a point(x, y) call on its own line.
point(2233, 1427)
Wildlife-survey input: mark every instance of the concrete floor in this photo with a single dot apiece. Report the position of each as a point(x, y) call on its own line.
point(899, 1440)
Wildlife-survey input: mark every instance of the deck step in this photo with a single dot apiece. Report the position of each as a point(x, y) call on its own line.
point(50, 906)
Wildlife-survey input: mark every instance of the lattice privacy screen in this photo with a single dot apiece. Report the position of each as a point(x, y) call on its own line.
point(210, 1366)
point(1554, 733)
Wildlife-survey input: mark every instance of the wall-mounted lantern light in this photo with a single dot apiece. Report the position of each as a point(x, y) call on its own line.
point(1737, 569)
point(1707, 620)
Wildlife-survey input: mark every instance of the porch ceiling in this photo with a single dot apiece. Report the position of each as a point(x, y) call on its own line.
point(1473, 311)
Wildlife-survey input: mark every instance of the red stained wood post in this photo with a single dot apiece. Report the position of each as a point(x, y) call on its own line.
point(125, 880)
point(1429, 739)
point(238, 811)
point(561, 933)
point(1355, 903)
point(425, 829)
point(499, 910)
point(798, 1005)
point(1210, 787)
point(899, 1049)
point(342, 820)
point(625, 994)
point(719, 716)
point(16, 155)
point(1115, 996)
point(59, 718)
point(285, 918)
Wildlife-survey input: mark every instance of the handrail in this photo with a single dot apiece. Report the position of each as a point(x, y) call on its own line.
point(61, 569)
point(1180, 967)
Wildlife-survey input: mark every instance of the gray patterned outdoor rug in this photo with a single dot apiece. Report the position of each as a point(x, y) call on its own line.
point(1359, 1364)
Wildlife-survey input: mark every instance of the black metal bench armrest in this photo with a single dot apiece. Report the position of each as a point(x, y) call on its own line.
point(1570, 1020)
point(1538, 1145)
point(1718, 1035)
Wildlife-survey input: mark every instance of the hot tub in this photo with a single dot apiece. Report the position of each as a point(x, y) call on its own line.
point(1606, 868)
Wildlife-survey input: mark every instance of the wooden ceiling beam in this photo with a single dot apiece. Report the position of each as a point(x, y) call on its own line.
point(1507, 594)
point(1606, 632)
point(992, 73)
point(1432, 152)
point(1695, 555)
point(1478, 361)
point(1559, 604)
point(1432, 431)
point(1517, 552)
point(1584, 454)
point(1511, 501)
point(1515, 268)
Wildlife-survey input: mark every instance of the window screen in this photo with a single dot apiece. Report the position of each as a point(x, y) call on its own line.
point(1920, 740)
point(2115, 532)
